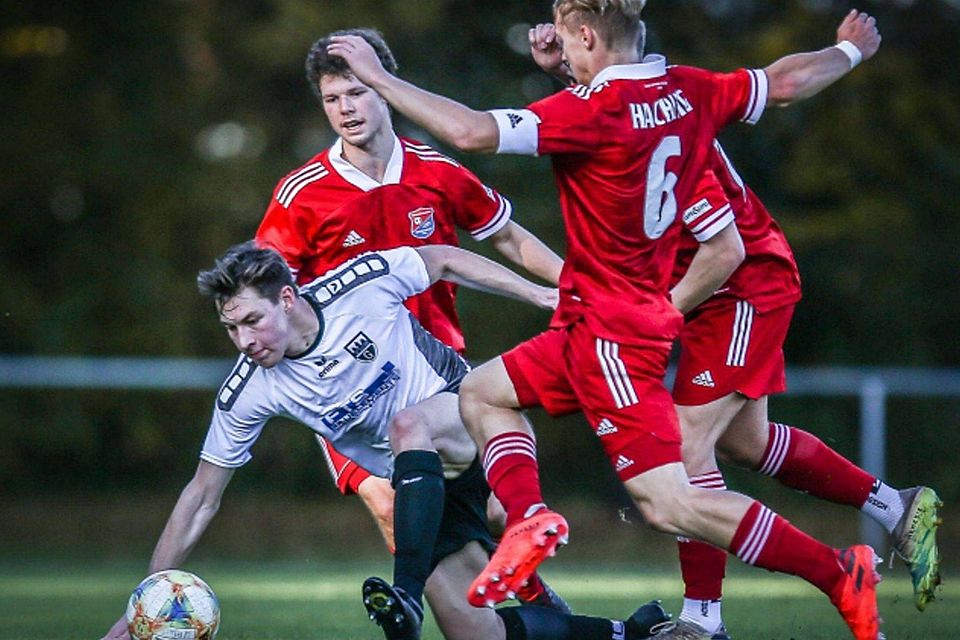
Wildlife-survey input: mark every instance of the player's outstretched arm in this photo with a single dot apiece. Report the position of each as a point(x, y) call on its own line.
point(198, 503)
point(450, 121)
point(476, 272)
point(802, 75)
point(521, 247)
point(712, 264)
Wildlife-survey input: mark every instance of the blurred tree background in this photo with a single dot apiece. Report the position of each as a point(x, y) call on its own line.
point(140, 139)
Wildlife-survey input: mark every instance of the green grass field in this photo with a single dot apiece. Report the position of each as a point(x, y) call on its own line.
point(285, 601)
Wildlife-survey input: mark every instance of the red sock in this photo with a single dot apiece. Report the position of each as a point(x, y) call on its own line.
point(703, 565)
point(802, 461)
point(510, 463)
point(767, 540)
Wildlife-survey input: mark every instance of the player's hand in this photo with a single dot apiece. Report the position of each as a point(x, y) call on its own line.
point(357, 52)
point(118, 631)
point(547, 51)
point(377, 494)
point(548, 298)
point(861, 30)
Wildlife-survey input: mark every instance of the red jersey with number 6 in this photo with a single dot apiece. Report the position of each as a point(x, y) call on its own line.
point(627, 151)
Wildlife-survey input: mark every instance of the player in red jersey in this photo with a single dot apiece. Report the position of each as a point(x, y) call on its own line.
point(732, 359)
point(374, 190)
point(627, 146)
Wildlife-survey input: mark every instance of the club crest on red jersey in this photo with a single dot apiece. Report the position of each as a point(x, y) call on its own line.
point(422, 223)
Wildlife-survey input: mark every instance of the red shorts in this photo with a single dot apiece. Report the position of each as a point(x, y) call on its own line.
point(618, 387)
point(730, 347)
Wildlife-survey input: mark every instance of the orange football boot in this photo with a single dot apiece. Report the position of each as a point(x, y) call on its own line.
point(856, 596)
point(525, 544)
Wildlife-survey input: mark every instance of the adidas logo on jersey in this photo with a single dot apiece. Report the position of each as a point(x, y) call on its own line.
point(623, 462)
point(605, 428)
point(353, 239)
point(704, 379)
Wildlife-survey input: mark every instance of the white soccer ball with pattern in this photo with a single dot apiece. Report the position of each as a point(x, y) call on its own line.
point(173, 605)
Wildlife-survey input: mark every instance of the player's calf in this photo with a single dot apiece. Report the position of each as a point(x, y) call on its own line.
point(537, 623)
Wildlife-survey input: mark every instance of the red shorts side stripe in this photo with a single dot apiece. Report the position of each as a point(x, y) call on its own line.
point(728, 347)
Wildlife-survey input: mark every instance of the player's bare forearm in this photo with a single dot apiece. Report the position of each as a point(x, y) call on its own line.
point(198, 503)
point(521, 247)
point(196, 506)
point(454, 123)
point(802, 75)
point(471, 270)
point(714, 262)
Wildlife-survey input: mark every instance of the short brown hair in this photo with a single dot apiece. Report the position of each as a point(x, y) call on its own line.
point(320, 63)
point(246, 265)
point(617, 21)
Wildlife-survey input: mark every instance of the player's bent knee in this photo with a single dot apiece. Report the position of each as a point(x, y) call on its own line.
point(409, 430)
point(474, 395)
point(662, 513)
point(743, 453)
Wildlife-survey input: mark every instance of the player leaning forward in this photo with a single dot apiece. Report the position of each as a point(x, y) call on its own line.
point(628, 144)
point(343, 356)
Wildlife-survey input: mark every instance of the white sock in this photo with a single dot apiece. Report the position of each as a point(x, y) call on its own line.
point(703, 613)
point(884, 505)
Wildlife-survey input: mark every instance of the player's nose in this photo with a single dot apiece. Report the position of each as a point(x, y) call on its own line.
point(244, 340)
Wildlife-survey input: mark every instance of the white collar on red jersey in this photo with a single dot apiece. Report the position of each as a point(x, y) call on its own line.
point(358, 178)
point(653, 66)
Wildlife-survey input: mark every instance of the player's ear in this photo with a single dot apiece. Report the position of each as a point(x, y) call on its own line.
point(287, 297)
point(588, 36)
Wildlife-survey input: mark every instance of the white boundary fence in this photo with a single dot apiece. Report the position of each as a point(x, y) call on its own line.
point(872, 385)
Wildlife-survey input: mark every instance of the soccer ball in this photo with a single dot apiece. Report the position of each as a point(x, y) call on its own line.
point(173, 605)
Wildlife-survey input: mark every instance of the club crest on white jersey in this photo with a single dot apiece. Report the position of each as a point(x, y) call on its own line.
point(362, 348)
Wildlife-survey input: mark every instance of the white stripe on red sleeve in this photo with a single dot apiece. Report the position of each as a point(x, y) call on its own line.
point(758, 96)
point(497, 222)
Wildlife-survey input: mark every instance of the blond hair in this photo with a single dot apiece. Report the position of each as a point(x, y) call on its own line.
point(617, 21)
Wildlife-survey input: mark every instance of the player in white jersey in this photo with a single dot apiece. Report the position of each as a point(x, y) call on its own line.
point(362, 369)
point(345, 357)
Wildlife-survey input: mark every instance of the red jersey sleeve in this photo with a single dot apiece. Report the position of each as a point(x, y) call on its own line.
point(739, 95)
point(347, 474)
point(708, 212)
point(566, 123)
point(477, 208)
point(287, 232)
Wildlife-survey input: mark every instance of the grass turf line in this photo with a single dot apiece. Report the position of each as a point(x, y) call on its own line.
point(291, 601)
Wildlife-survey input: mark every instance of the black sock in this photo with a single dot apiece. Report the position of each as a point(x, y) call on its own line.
point(417, 510)
point(539, 623)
